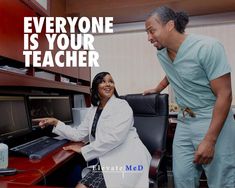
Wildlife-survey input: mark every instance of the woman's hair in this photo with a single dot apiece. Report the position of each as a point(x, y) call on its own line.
point(94, 88)
point(166, 14)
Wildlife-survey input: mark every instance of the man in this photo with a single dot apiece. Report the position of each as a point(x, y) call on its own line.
point(197, 69)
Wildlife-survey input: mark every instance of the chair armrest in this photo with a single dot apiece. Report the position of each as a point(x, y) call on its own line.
point(155, 163)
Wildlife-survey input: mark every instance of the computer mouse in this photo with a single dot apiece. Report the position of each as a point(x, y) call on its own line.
point(35, 157)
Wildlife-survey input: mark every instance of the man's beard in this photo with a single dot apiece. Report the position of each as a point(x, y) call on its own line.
point(160, 47)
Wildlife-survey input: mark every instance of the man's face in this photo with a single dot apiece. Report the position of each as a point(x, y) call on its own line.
point(156, 31)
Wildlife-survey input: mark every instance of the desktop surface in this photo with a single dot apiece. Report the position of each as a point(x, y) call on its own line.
point(34, 170)
point(16, 185)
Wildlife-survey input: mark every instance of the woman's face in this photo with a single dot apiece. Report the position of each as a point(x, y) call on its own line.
point(106, 87)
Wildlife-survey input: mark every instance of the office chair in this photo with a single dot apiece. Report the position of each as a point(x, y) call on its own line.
point(151, 122)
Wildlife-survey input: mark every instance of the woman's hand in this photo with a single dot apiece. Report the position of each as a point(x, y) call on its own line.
point(74, 147)
point(43, 122)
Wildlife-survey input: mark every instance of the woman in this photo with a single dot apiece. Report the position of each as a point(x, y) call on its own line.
point(123, 158)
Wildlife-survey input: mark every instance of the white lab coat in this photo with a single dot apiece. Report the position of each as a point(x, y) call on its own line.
point(123, 157)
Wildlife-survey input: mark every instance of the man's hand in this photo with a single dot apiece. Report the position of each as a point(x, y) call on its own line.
point(205, 152)
point(149, 91)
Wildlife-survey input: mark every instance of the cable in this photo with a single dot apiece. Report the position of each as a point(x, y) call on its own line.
point(38, 170)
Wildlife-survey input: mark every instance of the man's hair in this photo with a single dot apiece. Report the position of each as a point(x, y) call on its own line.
point(166, 14)
point(94, 88)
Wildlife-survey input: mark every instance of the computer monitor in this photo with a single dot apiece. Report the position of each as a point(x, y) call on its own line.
point(51, 106)
point(14, 119)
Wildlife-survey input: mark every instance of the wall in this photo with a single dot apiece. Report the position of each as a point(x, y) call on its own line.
point(132, 61)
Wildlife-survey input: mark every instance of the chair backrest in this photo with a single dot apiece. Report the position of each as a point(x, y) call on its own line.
point(151, 119)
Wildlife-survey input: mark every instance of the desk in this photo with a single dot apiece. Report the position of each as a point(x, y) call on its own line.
point(14, 185)
point(35, 169)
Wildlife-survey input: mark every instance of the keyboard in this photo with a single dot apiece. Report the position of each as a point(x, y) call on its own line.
point(38, 148)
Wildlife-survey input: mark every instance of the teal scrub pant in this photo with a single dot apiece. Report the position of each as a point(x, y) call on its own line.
point(221, 171)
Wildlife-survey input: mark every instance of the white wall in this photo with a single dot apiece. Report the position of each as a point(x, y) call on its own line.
point(132, 60)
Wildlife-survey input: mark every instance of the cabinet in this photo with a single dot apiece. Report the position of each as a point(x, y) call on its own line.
point(12, 28)
point(42, 7)
point(11, 79)
point(11, 51)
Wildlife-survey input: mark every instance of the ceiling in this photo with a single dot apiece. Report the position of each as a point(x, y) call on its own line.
point(125, 11)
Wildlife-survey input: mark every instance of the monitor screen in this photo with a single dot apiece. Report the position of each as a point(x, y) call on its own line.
point(58, 107)
point(14, 119)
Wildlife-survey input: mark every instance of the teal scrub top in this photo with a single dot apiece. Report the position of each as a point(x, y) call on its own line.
point(199, 60)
